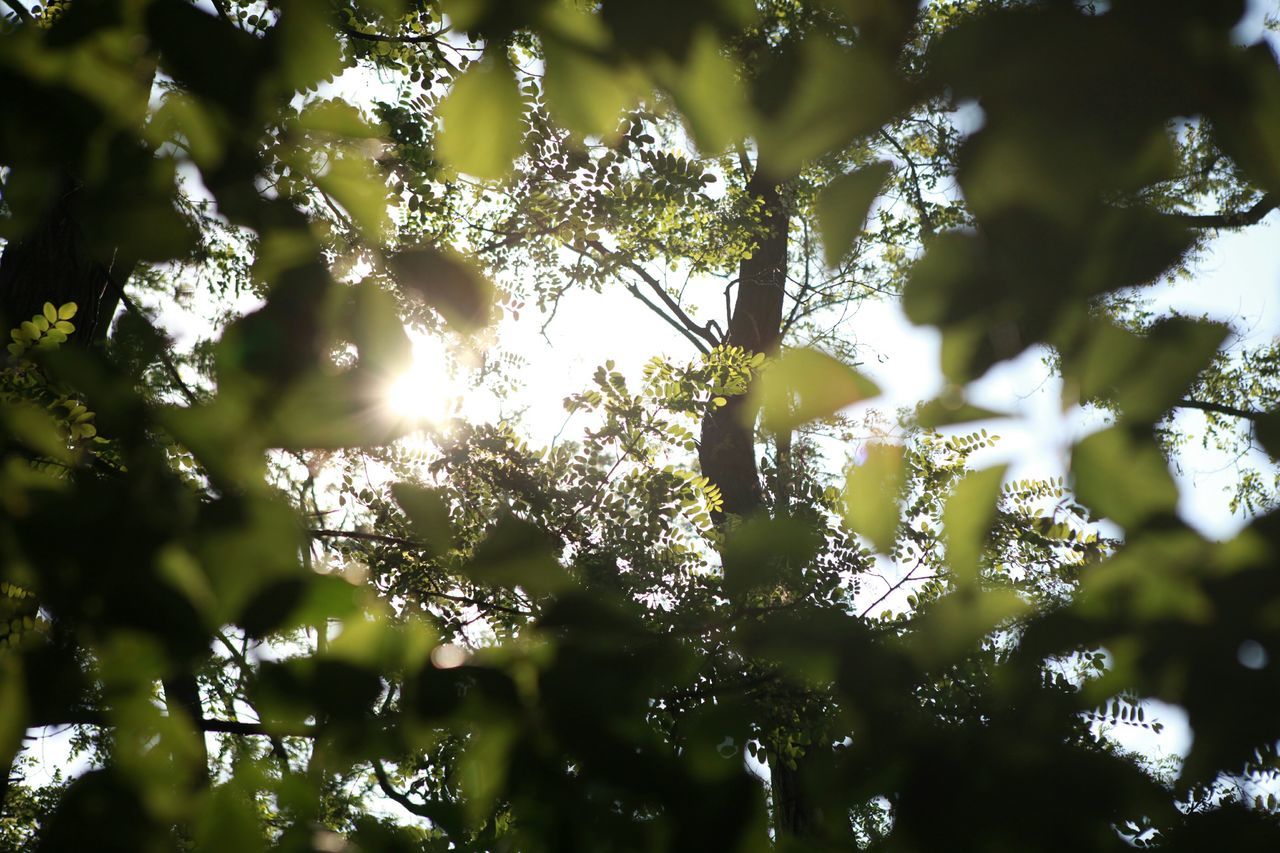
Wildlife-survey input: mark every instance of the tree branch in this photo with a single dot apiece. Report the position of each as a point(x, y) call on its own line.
point(361, 535)
point(96, 717)
point(1242, 219)
point(1219, 408)
point(656, 286)
point(20, 10)
point(384, 783)
point(673, 322)
point(926, 221)
point(426, 38)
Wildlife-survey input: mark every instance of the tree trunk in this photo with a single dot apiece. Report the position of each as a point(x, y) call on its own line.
point(53, 263)
point(727, 452)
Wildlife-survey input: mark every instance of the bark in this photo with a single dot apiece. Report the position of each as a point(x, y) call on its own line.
point(727, 452)
point(53, 263)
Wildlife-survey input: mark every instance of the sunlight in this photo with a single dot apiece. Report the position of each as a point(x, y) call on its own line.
point(428, 392)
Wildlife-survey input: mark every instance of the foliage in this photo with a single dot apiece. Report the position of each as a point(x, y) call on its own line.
point(278, 619)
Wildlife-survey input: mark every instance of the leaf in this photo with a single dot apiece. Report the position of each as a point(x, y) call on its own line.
point(356, 185)
point(1145, 374)
point(482, 121)
point(585, 93)
point(967, 521)
point(947, 410)
point(762, 551)
point(806, 384)
point(516, 553)
point(871, 494)
point(67, 311)
point(13, 708)
point(428, 514)
point(842, 208)
point(50, 313)
point(709, 92)
point(447, 283)
point(1125, 478)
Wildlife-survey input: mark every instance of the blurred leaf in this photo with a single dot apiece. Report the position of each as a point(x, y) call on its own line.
point(967, 519)
point(587, 94)
point(1145, 374)
point(843, 206)
point(13, 707)
point(482, 118)
point(1125, 478)
point(355, 184)
point(709, 92)
point(447, 283)
point(764, 551)
point(229, 821)
point(428, 514)
point(516, 553)
point(948, 410)
point(871, 495)
point(804, 385)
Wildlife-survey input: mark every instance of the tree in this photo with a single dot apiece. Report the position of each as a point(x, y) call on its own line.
point(643, 617)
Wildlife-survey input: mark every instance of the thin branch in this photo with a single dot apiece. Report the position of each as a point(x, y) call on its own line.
point(656, 286)
point(324, 533)
point(403, 799)
point(908, 577)
point(95, 717)
point(926, 221)
point(223, 10)
point(20, 10)
point(426, 38)
point(1241, 219)
point(675, 324)
point(165, 358)
point(744, 162)
point(1220, 408)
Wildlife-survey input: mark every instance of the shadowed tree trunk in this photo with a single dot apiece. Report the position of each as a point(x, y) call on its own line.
point(727, 453)
point(54, 263)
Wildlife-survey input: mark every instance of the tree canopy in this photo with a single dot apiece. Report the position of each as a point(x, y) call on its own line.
point(275, 612)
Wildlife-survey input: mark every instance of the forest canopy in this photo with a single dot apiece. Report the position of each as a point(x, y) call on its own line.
point(265, 589)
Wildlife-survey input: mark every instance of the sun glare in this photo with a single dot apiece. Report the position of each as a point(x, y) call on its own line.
point(427, 393)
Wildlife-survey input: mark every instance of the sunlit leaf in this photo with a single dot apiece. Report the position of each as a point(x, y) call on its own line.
point(482, 121)
point(804, 385)
point(871, 495)
point(967, 520)
point(843, 206)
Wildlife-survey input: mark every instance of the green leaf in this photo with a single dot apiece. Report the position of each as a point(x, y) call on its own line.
point(947, 410)
point(585, 93)
point(1145, 374)
point(447, 283)
point(709, 92)
point(428, 514)
point(842, 208)
point(50, 313)
point(967, 521)
point(1124, 477)
point(516, 553)
point(871, 495)
point(762, 551)
point(355, 184)
point(482, 121)
point(804, 385)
